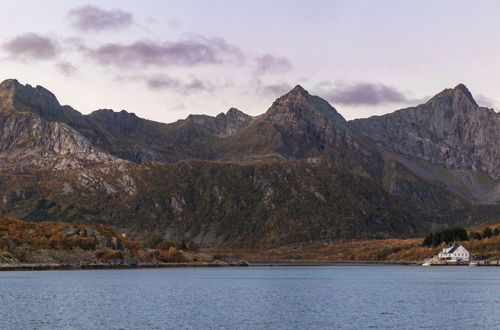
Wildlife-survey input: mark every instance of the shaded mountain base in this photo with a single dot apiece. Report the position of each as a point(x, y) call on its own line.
point(237, 205)
point(262, 204)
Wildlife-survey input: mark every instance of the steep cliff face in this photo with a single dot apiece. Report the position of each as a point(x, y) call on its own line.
point(450, 130)
point(33, 131)
point(26, 139)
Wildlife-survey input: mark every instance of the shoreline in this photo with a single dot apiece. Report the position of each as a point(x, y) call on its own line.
point(257, 263)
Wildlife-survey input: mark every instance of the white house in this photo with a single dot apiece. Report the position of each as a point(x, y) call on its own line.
point(453, 253)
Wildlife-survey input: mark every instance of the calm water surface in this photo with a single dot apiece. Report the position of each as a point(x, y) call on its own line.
point(336, 297)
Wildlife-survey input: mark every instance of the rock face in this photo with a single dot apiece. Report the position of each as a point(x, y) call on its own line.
point(449, 130)
point(32, 131)
point(224, 124)
point(314, 127)
point(299, 125)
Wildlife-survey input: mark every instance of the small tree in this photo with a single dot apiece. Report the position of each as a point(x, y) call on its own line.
point(496, 232)
point(476, 235)
point(436, 239)
point(428, 240)
point(487, 232)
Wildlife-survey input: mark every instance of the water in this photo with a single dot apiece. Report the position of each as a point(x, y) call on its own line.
point(336, 297)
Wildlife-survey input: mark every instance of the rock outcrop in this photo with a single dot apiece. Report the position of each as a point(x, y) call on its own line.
point(34, 132)
point(224, 124)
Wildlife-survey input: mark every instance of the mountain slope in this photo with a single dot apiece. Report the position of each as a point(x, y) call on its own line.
point(449, 131)
point(299, 125)
point(251, 205)
point(34, 132)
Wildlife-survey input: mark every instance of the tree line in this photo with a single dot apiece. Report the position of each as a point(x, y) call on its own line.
point(451, 235)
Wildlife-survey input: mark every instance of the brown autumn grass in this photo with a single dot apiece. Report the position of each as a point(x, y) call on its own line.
point(385, 250)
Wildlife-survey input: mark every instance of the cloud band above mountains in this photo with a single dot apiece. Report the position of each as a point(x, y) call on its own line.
point(31, 46)
point(196, 51)
point(94, 19)
point(365, 93)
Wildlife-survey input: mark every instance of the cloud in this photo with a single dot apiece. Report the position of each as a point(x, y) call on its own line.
point(271, 89)
point(94, 19)
point(159, 82)
point(272, 64)
point(66, 68)
point(364, 93)
point(199, 50)
point(485, 101)
point(31, 46)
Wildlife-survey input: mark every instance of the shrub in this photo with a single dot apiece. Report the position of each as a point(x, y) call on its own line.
point(171, 255)
point(6, 255)
point(108, 254)
point(487, 232)
point(165, 245)
point(475, 235)
point(154, 240)
point(145, 255)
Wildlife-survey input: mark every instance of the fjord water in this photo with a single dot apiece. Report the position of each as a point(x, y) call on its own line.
point(326, 297)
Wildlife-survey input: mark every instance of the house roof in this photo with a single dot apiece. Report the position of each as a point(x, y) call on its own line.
point(450, 248)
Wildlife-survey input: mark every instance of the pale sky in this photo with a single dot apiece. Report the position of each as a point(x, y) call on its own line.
point(166, 59)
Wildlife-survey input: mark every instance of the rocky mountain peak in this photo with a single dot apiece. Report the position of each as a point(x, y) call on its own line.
point(224, 124)
point(301, 105)
point(15, 97)
point(456, 97)
point(299, 90)
point(462, 88)
point(110, 114)
point(8, 84)
point(233, 112)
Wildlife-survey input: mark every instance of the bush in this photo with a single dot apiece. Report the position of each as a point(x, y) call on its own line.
point(145, 255)
point(475, 235)
point(108, 254)
point(171, 255)
point(487, 232)
point(496, 232)
point(165, 245)
point(6, 255)
point(193, 246)
point(154, 240)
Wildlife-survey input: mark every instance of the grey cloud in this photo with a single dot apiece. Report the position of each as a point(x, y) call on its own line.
point(195, 51)
point(365, 93)
point(66, 68)
point(271, 89)
point(485, 101)
point(159, 82)
point(269, 63)
point(94, 19)
point(31, 46)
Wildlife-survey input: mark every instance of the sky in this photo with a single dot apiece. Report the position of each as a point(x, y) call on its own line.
point(164, 60)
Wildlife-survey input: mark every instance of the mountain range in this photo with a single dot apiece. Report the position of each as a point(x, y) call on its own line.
point(297, 173)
